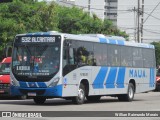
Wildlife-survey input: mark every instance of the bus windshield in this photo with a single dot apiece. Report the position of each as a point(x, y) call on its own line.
point(4, 68)
point(36, 59)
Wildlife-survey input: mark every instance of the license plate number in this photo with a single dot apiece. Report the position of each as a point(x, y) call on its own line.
point(32, 94)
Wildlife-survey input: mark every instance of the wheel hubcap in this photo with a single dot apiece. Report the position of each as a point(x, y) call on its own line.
point(80, 94)
point(130, 92)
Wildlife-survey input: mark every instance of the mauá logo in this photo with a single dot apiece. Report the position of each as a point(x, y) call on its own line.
point(139, 73)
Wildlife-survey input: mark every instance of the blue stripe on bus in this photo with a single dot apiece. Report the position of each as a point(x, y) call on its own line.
point(112, 41)
point(151, 46)
point(120, 78)
point(50, 91)
point(111, 78)
point(120, 42)
point(102, 40)
point(32, 84)
point(46, 33)
point(28, 34)
point(38, 33)
point(98, 82)
point(42, 84)
point(56, 91)
point(23, 84)
point(151, 82)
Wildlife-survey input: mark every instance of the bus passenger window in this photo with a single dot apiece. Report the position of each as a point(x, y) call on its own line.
point(82, 56)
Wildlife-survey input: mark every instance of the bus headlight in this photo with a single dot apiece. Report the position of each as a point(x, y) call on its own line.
point(13, 80)
point(54, 82)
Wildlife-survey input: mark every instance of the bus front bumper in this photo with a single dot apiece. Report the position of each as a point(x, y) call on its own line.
point(55, 91)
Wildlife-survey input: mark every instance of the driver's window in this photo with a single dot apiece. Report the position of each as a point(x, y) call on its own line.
point(64, 57)
point(71, 56)
point(68, 58)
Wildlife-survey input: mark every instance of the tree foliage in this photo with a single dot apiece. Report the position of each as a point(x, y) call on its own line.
point(157, 52)
point(23, 16)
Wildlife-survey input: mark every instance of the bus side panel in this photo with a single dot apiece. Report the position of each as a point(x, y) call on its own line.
point(109, 81)
point(144, 78)
point(72, 80)
point(150, 82)
point(115, 80)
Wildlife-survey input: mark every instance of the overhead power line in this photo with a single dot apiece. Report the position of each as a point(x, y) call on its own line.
point(151, 13)
point(87, 6)
point(151, 16)
point(147, 30)
point(123, 11)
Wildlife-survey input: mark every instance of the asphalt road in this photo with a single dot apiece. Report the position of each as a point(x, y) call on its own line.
point(142, 102)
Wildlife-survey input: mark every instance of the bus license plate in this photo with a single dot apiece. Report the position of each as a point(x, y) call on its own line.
point(32, 94)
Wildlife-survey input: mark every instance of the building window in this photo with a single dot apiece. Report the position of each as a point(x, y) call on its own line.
point(115, 14)
point(112, 0)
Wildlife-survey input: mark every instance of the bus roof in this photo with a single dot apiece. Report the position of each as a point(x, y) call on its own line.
point(94, 38)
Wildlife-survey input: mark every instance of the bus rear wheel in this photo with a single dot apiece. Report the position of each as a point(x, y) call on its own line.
point(81, 95)
point(130, 94)
point(39, 100)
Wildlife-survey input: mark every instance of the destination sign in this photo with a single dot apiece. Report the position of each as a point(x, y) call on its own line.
point(37, 39)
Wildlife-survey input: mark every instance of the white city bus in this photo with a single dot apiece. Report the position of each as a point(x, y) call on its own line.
point(52, 65)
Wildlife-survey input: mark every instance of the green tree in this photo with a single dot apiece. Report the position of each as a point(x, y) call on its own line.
point(157, 52)
point(13, 17)
point(24, 16)
point(74, 20)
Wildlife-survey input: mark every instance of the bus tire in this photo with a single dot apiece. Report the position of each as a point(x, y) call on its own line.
point(39, 100)
point(130, 94)
point(93, 98)
point(23, 97)
point(81, 95)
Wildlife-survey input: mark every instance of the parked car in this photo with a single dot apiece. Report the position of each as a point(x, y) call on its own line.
point(158, 80)
point(5, 76)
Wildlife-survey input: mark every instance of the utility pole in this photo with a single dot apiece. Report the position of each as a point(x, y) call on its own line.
point(89, 7)
point(138, 15)
point(142, 21)
point(105, 9)
point(135, 24)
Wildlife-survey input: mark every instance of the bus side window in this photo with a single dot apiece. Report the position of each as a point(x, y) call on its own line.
point(68, 59)
point(71, 56)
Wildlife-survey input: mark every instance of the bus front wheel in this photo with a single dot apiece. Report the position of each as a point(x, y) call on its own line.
point(81, 95)
point(130, 94)
point(39, 100)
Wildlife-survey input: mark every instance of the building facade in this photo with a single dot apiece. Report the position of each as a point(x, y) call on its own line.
point(127, 19)
point(102, 8)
